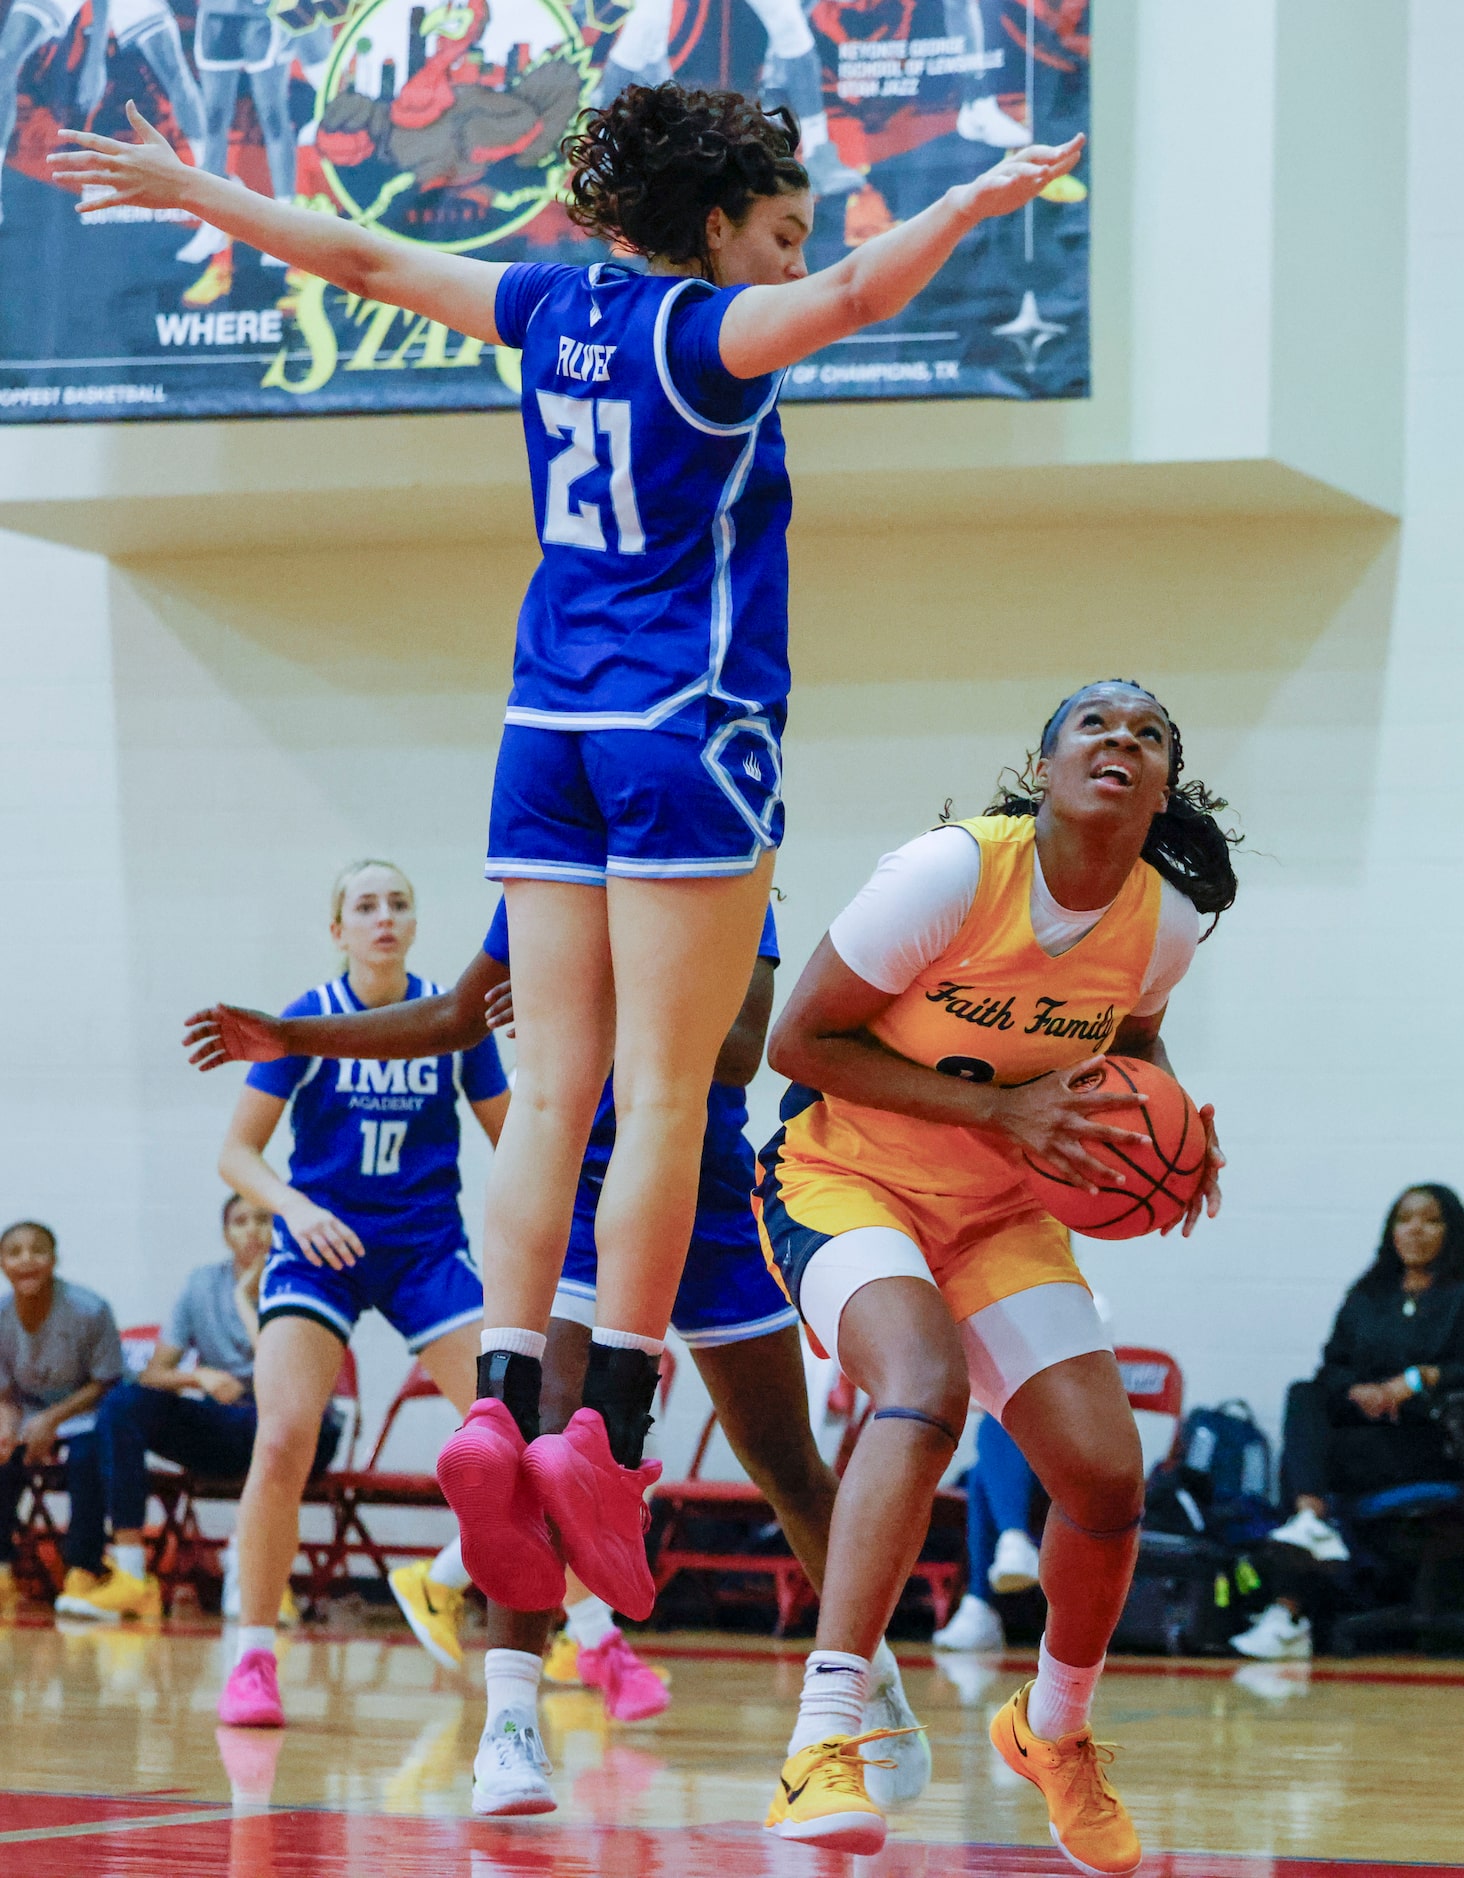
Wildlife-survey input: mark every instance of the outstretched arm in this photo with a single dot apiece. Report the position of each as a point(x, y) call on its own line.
point(453, 1020)
point(445, 287)
point(767, 328)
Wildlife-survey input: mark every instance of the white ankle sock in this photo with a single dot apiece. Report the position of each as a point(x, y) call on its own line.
point(1061, 1696)
point(626, 1340)
point(834, 1689)
point(130, 1559)
point(882, 1665)
point(253, 1637)
point(590, 1621)
point(518, 1342)
point(511, 1678)
point(448, 1569)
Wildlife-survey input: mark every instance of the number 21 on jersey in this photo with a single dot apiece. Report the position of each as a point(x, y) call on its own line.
point(381, 1147)
point(572, 521)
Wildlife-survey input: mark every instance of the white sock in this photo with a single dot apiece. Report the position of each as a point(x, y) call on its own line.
point(626, 1340)
point(1061, 1696)
point(815, 129)
point(511, 1678)
point(448, 1569)
point(130, 1559)
point(834, 1690)
point(518, 1342)
point(253, 1637)
point(590, 1621)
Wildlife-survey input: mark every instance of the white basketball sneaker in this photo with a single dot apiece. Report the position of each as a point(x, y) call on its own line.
point(1015, 1566)
point(511, 1769)
point(1277, 1635)
point(982, 120)
point(975, 1626)
point(1312, 1534)
point(889, 1707)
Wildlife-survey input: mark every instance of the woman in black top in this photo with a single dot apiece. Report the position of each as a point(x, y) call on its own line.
point(1365, 1421)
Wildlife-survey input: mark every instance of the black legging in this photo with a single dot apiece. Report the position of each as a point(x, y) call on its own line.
point(1323, 1455)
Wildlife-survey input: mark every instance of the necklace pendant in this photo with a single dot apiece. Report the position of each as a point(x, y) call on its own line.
point(1410, 1307)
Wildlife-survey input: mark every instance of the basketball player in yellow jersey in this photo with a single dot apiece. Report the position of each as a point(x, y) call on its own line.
point(947, 1020)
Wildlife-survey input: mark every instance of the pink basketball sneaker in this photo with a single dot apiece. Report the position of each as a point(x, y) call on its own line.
point(251, 1697)
point(506, 1544)
point(632, 1689)
point(598, 1511)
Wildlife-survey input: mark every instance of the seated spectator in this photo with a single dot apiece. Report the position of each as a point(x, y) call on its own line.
point(1001, 1555)
point(1364, 1422)
point(202, 1417)
point(59, 1355)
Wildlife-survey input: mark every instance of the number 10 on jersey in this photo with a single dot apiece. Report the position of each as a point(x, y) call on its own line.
point(381, 1147)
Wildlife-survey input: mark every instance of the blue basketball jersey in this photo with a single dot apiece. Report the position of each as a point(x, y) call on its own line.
point(379, 1138)
point(664, 578)
point(727, 1163)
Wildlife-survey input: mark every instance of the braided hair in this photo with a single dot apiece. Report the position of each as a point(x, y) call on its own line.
point(648, 169)
point(1185, 843)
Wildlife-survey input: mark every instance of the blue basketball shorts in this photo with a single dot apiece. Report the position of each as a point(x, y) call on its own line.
point(580, 805)
point(726, 1295)
point(423, 1288)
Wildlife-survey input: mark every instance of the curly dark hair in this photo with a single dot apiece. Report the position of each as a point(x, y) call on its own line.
point(648, 169)
point(1386, 1271)
point(1185, 843)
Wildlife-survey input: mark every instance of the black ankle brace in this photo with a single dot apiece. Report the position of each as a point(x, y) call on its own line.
point(620, 1385)
point(917, 1415)
point(513, 1380)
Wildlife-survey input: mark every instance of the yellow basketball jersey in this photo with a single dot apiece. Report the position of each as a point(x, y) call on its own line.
point(992, 1008)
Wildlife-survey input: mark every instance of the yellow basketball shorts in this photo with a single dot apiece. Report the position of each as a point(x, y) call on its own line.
point(977, 1254)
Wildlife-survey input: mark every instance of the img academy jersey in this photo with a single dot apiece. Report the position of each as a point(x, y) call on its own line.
point(378, 1138)
point(664, 578)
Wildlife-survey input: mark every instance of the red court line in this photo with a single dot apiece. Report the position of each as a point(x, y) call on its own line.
point(22, 1812)
point(305, 1844)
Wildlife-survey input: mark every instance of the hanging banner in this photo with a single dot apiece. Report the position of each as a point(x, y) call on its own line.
point(442, 124)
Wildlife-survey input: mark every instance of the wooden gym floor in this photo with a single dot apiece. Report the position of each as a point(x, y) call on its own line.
point(114, 1767)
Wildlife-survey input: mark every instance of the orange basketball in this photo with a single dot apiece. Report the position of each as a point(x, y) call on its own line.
point(1161, 1175)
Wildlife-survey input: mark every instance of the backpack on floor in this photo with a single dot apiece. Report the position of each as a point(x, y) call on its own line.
point(1223, 1455)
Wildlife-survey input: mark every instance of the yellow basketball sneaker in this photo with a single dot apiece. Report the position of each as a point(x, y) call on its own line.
point(109, 1599)
point(432, 1610)
point(1088, 1821)
point(822, 1800)
point(561, 1665)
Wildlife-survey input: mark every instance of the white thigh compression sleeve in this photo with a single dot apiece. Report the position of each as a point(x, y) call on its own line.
point(645, 38)
point(789, 34)
point(1010, 1341)
point(849, 1262)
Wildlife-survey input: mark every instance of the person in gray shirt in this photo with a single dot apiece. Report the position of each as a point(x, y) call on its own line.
point(201, 1415)
point(59, 1355)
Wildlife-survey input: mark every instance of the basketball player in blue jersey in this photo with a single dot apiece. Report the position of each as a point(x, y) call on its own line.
point(728, 1309)
point(637, 795)
point(368, 1219)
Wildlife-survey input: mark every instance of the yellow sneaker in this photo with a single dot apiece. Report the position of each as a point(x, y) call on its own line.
point(432, 1610)
point(561, 1665)
point(109, 1599)
point(1065, 189)
point(9, 1593)
point(1088, 1821)
point(821, 1798)
point(216, 282)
